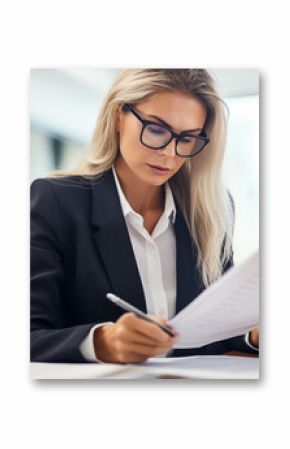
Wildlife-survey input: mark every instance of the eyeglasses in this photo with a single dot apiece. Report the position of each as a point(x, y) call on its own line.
point(156, 136)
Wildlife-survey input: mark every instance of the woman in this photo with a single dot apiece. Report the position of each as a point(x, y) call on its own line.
point(145, 216)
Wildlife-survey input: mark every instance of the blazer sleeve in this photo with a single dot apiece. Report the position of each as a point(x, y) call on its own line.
point(51, 339)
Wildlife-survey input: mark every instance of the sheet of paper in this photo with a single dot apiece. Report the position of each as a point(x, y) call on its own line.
point(228, 308)
point(202, 367)
point(195, 367)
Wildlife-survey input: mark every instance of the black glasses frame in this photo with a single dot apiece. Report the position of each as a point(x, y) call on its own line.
point(202, 135)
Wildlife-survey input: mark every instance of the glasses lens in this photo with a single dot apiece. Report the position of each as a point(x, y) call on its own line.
point(189, 145)
point(155, 136)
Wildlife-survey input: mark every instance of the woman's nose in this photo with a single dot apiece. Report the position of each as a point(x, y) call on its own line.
point(169, 149)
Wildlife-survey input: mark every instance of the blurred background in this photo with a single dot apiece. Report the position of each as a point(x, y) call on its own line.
point(64, 106)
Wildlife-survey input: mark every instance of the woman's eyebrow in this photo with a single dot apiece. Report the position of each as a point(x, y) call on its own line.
point(166, 124)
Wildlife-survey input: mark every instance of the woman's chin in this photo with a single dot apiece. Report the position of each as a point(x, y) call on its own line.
point(152, 181)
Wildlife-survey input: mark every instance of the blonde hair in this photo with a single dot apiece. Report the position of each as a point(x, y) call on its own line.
point(198, 186)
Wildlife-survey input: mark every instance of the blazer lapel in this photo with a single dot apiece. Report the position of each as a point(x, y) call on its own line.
point(188, 280)
point(113, 242)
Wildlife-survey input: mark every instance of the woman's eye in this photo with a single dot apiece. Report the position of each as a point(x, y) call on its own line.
point(185, 140)
point(156, 130)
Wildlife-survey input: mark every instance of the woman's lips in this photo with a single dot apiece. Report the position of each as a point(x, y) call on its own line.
point(158, 169)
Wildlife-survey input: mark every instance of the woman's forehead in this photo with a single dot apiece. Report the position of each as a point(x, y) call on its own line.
point(180, 111)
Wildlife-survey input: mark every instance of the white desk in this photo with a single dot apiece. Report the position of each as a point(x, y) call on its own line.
point(196, 367)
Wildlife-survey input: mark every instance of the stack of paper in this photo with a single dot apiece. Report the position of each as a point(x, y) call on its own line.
point(202, 367)
point(196, 367)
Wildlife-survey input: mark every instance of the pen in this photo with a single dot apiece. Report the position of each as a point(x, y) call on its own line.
point(129, 308)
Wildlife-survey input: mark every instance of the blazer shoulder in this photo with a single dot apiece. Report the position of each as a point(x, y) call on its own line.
point(72, 198)
point(47, 195)
point(75, 181)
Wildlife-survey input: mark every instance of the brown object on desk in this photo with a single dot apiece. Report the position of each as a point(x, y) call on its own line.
point(241, 354)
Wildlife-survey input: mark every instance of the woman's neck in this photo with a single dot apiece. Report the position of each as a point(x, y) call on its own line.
point(141, 197)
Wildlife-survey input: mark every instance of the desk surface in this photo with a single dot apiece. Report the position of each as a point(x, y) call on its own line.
point(196, 367)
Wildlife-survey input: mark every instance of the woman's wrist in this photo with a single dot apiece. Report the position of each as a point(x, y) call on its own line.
point(254, 338)
point(103, 349)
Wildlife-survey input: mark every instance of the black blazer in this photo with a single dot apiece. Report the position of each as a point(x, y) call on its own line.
point(80, 250)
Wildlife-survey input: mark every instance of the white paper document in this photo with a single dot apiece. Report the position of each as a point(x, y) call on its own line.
point(195, 367)
point(202, 367)
point(228, 308)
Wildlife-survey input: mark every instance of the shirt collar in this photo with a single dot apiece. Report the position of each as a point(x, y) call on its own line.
point(169, 207)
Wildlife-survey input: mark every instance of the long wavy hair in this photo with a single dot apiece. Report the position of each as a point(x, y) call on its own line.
point(198, 186)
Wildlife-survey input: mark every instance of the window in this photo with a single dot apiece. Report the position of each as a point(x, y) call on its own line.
point(241, 171)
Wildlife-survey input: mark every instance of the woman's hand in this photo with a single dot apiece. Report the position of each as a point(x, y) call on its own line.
point(254, 337)
point(132, 339)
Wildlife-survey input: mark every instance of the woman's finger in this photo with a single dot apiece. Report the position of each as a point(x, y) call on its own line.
point(149, 330)
point(132, 336)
